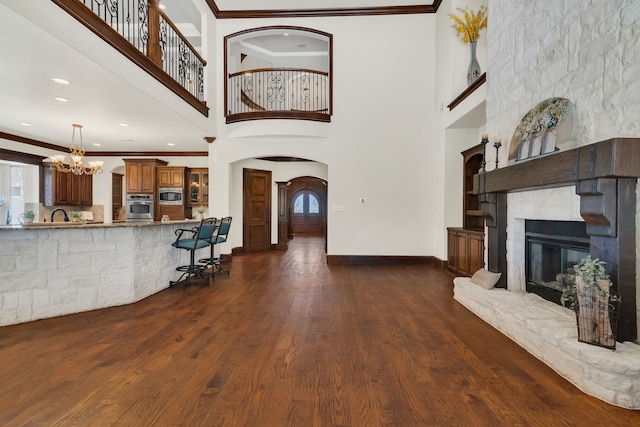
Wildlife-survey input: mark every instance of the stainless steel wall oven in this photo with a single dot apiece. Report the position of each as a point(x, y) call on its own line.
point(140, 207)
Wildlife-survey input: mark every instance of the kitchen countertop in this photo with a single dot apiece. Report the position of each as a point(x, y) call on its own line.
point(59, 225)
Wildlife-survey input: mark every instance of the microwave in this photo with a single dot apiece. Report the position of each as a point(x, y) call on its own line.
point(170, 196)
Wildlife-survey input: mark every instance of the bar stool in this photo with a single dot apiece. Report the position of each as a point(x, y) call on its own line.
point(219, 236)
point(192, 240)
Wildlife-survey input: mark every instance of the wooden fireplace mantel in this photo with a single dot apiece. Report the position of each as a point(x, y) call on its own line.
point(617, 157)
point(605, 176)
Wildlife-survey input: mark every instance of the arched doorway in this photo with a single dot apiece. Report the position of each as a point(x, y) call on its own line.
point(307, 206)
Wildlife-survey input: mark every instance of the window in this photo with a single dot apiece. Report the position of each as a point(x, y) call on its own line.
point(306, 203)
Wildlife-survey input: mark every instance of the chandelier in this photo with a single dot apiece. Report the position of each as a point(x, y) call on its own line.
point(78, 165)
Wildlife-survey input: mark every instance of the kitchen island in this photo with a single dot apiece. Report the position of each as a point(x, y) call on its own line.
point(53, 269)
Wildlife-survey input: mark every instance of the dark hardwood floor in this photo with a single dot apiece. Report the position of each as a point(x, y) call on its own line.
point(286, 340)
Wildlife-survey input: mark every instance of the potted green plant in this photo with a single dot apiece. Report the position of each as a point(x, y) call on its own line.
point(589, 293)
point(28, 217)
point(75, 216)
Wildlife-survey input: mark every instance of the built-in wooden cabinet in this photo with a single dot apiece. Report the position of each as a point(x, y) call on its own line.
point(67, 189)
point(116, 194)
point(465, 250)
point(198, 187)
point(141, 175)
point(174, 212)
point(472, 216)
point(171, 176)
point(465, 245)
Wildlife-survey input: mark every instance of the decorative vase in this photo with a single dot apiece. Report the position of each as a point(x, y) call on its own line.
point(549, 141)
point(473, 72)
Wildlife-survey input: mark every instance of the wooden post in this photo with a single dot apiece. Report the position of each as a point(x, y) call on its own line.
point(153, 47)
point(283, 226)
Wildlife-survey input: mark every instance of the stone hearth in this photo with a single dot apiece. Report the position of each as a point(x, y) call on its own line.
point(548, 331)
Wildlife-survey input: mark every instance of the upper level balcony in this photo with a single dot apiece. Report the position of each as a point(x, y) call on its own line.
point(143, 33)
point(278, 73)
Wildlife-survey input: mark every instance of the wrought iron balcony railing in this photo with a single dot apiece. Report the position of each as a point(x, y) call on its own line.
point(146, 28)
point(268, 93)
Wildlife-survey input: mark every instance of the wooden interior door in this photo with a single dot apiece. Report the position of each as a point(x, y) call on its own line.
point(256, 228)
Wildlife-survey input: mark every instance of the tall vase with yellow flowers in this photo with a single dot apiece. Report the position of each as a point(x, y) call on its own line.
point(468, 28)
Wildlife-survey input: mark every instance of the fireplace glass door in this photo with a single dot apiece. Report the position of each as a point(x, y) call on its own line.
point(552, 249)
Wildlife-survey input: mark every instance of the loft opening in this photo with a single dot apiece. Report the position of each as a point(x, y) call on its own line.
point(278, 72)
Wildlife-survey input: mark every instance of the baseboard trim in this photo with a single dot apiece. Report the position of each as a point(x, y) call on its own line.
point(380, 260)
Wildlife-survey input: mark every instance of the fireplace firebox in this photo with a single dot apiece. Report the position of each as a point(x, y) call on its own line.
point(552, 248)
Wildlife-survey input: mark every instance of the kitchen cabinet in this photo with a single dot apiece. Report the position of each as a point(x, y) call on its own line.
point(66, 189)
point(465, 250)
point(116, 190)
point(174, 212)
point(116, 194)
point(199, 187)
point(141, 175)
point(171, 176)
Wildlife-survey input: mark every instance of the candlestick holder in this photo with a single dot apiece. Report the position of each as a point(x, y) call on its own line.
point(484, 141)
point(497, 144)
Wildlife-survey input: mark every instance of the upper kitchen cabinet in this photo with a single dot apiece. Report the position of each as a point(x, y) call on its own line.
point(66, 189)
point(141, 175)
point(171, 176)
point(198, 186)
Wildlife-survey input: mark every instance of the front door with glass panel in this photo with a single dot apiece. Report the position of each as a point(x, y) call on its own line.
point(305, 213)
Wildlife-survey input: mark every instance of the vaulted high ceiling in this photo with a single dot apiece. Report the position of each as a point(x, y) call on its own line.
point(33, 50)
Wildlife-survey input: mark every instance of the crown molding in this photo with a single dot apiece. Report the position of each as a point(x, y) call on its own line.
point(297, 13)
point(41, 144)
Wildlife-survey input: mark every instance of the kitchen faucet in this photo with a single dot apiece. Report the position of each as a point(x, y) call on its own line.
point(66, 217)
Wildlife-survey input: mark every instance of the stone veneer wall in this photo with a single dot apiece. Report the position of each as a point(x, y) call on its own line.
point(588, 52)
point(53, 272)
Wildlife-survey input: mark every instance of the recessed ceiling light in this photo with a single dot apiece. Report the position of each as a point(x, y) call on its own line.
point(96, 144)
point(286, 34)
point(124, 125)
point(61, 99)
point(25, 124)
point(60, 81)
point(171, 144)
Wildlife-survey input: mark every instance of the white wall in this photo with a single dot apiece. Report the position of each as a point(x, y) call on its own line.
point(380, 145)
point(462, 126)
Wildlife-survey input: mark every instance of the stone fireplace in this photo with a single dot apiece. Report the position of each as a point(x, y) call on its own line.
point(595, 185)
point(552, 248)
point(604, 177)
